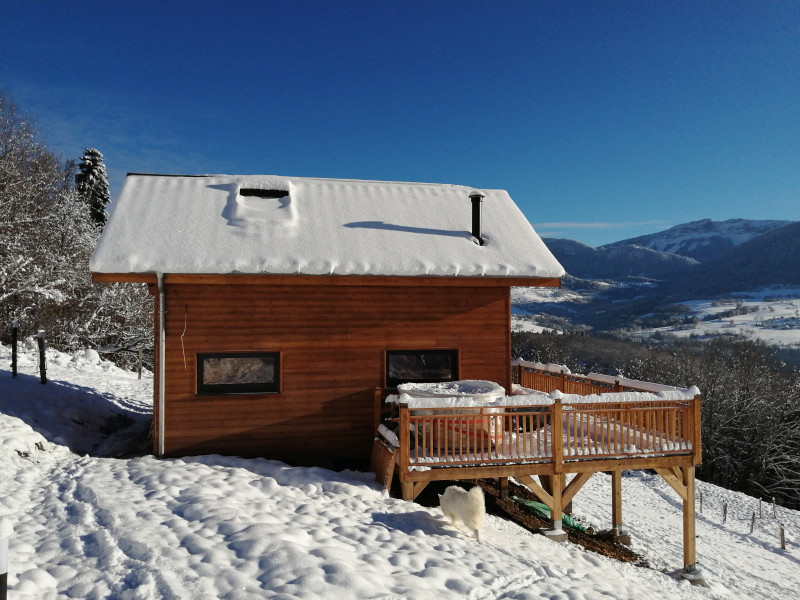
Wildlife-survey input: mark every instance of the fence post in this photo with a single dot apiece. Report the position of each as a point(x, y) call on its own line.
point(14, 331)
point(42, 366)
point(3, 568)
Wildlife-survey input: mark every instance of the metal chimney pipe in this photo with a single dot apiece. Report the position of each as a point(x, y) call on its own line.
point(477, 199)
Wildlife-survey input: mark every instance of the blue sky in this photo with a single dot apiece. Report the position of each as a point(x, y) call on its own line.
point(603, 120)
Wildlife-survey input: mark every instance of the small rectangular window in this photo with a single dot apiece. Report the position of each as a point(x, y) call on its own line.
point(238, 373)
point(420, 366)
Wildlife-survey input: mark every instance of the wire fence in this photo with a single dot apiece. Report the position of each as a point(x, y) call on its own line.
point(763, 518)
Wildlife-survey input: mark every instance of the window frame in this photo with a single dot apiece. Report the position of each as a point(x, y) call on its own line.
point(453, 353)
point(226, 389)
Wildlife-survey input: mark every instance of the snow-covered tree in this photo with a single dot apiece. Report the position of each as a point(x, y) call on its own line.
point(91, 182)
point(47, 234)
point(31, 195)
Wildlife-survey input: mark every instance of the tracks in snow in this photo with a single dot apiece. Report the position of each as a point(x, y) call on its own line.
point(84, 519)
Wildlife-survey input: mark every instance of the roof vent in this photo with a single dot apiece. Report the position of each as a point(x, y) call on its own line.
point(263, 193)
point(477, 199)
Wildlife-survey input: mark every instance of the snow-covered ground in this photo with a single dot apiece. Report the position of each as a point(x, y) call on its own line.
point(522, 321)
point(524, 301)
point(81, 525)
point(771, 315)
point(539, 295)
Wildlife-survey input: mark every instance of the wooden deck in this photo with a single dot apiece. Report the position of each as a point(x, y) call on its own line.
point(552, 447)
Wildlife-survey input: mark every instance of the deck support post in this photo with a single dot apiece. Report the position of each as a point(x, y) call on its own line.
point(688, 521)
point(407, 490)
point(503, 484)
point(690, 570)
point(618, 533)
point(681, 479)
point(556, 532)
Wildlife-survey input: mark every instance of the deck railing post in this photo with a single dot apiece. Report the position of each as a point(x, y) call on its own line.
point(406, 487)
point(697, 437)
point(377, 408)
point(557, 435)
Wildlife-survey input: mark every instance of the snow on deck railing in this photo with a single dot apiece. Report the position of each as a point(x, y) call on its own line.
point(494, 435)
point(597, 418)
point(551, 377)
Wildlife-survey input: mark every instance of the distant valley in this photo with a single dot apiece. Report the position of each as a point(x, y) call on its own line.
point(701, 278)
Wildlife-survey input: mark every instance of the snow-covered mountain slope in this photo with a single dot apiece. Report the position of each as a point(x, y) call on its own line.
point(213, 527)
point(705, 239)
point(769, 259)
point(616, 262)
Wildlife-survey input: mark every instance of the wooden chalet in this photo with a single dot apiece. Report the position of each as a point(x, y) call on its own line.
point(287, 308)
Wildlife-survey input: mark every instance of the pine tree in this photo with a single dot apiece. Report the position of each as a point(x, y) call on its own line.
point(91, 182)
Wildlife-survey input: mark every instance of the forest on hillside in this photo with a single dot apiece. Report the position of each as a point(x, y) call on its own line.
point(750, 399)
point(51, 214)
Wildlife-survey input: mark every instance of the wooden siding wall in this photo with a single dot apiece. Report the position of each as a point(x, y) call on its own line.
point(332, 341)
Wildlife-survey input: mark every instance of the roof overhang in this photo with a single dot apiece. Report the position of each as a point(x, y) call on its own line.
point(326, 280)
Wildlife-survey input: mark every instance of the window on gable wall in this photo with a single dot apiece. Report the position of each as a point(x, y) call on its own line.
point(238, 373)
point(420, 366)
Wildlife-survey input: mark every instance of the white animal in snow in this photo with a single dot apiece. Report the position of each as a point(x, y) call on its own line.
point(462, 506)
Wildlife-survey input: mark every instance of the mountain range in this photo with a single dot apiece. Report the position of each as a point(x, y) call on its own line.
point(644, 275)
point(703, 257)
point(705, 239)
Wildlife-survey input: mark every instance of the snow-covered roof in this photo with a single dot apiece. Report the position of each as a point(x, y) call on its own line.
point(220, 224)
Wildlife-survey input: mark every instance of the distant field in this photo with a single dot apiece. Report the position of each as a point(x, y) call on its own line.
point(771, 315)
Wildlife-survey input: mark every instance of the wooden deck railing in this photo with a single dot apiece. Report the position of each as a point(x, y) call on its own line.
point(548, 381)
point(558, 433)
point(571, 435)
